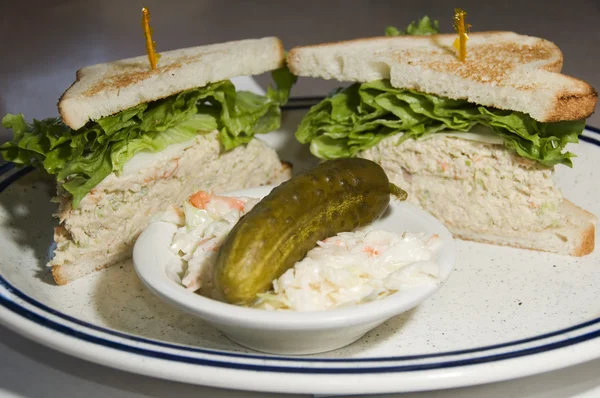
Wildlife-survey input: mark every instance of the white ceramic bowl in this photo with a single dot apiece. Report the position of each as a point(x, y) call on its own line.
point(292, 332)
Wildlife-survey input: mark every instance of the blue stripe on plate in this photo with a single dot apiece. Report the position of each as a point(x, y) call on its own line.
point(593, 129)
point(43, 307)
point(6, 167)
point(590, 140)
point(14, 177)
point(40, 320)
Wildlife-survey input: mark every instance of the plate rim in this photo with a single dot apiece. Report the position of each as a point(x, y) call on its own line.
point(6, 302)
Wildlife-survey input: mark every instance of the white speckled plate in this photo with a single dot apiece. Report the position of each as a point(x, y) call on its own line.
point(504, 313)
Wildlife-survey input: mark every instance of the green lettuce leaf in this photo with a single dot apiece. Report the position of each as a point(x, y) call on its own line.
point(284, 80)
point(81, 159)
point(359, 116)
point(422, 27)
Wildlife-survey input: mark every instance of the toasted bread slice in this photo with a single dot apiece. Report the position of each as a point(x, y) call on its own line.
point(503, 70)
point(102, 230)
point(486, 193)
point(105, 89)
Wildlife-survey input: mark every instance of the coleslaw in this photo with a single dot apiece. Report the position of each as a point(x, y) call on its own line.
point(347, 269)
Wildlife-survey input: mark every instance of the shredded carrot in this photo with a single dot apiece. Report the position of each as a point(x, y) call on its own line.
point(213, 247)
point(443, 165)
point(179, 211)
point(371, 251)
point(200, 199)
point(169, 174)
point(203, 241)
point(433, 238)
point(233, 203)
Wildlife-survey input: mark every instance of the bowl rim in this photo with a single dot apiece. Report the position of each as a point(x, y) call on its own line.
point(155, 278)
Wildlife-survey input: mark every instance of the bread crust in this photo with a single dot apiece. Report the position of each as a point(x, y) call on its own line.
point(61, 110)
point(586, 247)
point(587, 242)
point(57, 276)
point(573, 106)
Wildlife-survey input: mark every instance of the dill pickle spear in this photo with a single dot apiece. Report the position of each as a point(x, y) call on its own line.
point(336, 196)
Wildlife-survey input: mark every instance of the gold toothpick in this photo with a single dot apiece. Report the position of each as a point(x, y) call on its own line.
point(153, 56)
point(462, 29)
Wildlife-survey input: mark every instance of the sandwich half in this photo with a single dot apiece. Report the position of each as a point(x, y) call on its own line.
point(132, 140)
point(474, 143)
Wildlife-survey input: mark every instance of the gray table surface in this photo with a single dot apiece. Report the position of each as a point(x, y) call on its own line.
point(43, 42)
